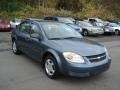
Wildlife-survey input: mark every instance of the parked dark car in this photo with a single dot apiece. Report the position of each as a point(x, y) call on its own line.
point(60, 49)
point(67, 20)
point(4, 25)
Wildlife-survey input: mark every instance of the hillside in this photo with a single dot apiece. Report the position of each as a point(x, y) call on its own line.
point(106, 9)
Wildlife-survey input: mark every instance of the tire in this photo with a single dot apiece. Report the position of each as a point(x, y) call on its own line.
point(85, 33)
point(117, 32)
point(51, 67)
point(15, 48)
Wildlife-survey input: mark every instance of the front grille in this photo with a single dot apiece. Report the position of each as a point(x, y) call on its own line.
point(77, 29)
point(97, 58)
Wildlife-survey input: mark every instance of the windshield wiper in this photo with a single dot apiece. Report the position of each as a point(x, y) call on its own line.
point(71, 37)
point(55, 38)
point(64, 38)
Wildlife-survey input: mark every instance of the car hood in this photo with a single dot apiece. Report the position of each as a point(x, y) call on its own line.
point(81, 46)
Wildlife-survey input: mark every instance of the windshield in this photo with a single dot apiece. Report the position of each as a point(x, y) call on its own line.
point(85, 23)
point(55, 30)
point(66, 20)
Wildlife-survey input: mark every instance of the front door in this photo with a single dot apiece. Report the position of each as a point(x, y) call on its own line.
point(35, 43)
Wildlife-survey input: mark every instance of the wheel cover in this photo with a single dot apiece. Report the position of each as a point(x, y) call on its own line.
point(14, 47)
point(50, 67)
point(85, 33)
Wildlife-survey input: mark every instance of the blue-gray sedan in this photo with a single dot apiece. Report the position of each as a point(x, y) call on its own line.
point(60, 49)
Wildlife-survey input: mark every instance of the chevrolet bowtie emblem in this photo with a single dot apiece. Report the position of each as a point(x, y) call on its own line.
point(98, 57)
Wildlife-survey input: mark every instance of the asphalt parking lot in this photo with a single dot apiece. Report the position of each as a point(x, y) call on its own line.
point(22, 73)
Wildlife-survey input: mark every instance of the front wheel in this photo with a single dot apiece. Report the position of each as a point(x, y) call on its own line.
point(116, 32)
point(85, 32)
point(51, 67)
point(15, 48)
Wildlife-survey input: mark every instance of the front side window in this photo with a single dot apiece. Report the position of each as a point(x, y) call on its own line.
point(59, 30)
point(34, 28)
point(24, 27)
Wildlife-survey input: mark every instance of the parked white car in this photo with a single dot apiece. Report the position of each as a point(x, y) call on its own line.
point(15, 22)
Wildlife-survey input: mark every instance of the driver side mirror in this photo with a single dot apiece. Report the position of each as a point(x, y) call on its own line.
point(35, 35)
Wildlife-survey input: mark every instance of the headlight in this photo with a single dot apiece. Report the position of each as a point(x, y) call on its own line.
point(72, 57)
point(8, 26)
point(106, 51)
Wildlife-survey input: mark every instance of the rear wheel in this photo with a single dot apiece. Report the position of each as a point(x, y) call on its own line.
point(15, 48)
point(51, 67)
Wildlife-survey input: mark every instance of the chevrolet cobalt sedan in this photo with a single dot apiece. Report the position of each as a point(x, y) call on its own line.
point(60, 49)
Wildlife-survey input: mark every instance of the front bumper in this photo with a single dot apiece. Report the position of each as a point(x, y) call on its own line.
point(88, 69)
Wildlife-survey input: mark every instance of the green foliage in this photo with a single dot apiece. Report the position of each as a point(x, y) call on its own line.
point(105, 9)
point(74, 5)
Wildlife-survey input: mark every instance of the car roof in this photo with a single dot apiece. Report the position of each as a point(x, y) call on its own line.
point(41, 20)
point(33, 19)
point(59, 16)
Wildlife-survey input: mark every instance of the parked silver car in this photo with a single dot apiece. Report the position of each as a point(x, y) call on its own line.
point(113, 27)
point(89, 29)
point(107, 29)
